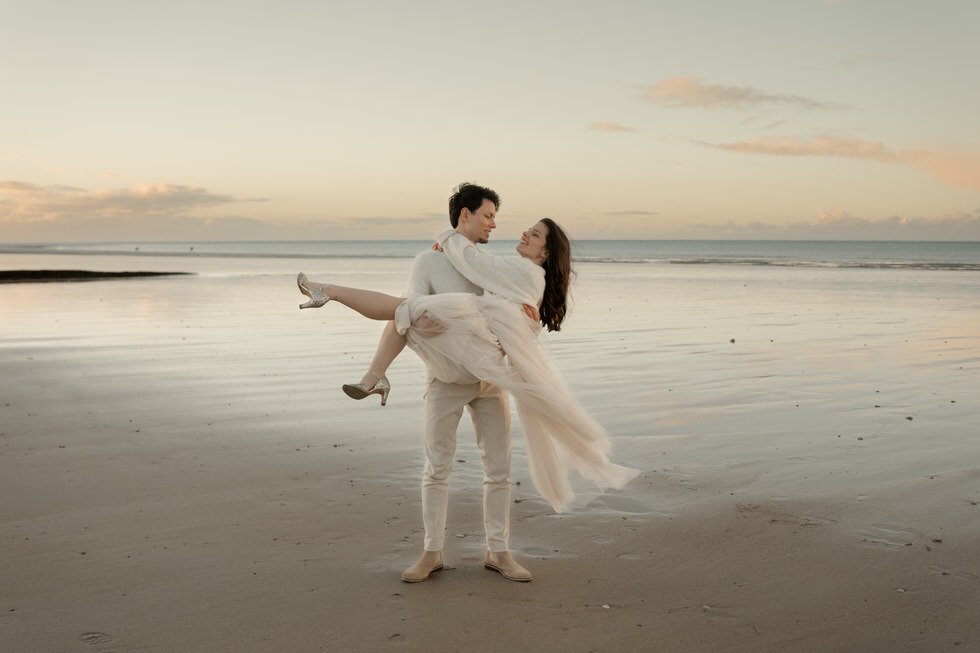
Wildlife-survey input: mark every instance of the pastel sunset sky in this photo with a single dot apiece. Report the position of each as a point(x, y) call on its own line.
point(131, 120)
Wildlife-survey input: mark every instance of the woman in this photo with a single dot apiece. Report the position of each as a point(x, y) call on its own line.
point(490, 337)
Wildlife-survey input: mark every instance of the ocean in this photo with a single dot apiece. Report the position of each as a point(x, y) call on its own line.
point(917, 255)
point(768, 370)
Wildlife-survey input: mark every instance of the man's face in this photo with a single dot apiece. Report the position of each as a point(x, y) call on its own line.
point(477, 225)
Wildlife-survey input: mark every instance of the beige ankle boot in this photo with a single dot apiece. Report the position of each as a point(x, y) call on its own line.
point(503, 562)
point(430, 562)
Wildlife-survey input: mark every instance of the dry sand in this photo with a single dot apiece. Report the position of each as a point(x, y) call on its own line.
point(180, 471)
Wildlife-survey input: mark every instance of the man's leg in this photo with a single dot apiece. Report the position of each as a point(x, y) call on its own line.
point(490, 413)
point(491, 420)
point(443, 408)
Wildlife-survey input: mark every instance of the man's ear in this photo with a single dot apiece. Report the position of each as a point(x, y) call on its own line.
point(464, 215)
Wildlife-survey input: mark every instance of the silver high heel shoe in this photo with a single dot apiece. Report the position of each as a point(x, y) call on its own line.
point(317, 297)
point(360, 390)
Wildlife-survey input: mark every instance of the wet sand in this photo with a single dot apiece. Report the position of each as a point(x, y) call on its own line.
point(182, 473)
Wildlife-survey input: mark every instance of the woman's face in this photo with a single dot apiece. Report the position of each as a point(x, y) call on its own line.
point(532, 244)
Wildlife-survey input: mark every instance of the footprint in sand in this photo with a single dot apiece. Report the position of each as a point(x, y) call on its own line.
point(540, 552)
point(101, 641)
point(632, 555)
point(888, 535)
point(946, 571)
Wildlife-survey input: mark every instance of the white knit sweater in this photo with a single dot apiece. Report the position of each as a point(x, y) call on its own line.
point(514, 278)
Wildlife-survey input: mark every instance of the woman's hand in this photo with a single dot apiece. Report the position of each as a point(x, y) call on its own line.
point(531, 312)
point(428, 326)
point(436, 247)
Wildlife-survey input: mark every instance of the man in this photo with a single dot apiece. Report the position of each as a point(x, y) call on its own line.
point(472, 213)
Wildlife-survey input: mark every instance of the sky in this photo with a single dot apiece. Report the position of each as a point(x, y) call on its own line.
point(129, 120)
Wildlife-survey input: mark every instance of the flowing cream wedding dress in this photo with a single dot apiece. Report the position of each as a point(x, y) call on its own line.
point(489, 338)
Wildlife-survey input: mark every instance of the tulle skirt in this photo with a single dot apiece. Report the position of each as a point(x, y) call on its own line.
point(490, 339)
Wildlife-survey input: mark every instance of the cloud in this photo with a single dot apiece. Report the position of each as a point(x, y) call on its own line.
point(608, 127)
point(954, 225)
point(795, 146)
point(161, 228)
point(374, 222)
point(957, 169)
point(147, 212)
point(838, 224)
point(223, 227)
point(631, 213)
point(691, 92)
point(23, 202)
point(838, 217)
point(951, 168)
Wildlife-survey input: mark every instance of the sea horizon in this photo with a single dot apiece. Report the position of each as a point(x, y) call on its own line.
point(904, 254)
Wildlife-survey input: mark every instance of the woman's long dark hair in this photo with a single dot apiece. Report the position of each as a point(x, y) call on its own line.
point(557, 276)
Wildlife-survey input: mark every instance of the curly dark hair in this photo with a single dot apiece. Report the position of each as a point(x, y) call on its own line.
point(469, 196)
point(558, 275)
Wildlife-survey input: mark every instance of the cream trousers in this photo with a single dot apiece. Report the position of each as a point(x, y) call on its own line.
point(489, 409)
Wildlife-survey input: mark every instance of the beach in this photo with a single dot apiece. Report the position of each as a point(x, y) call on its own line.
point(181, 471)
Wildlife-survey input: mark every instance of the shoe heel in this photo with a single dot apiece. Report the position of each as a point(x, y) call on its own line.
point(361, 391)
point(317, 297)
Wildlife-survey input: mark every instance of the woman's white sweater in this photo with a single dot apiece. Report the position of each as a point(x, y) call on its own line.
point(514, 278)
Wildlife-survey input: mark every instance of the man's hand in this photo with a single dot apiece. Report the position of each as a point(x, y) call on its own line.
point(427, 326)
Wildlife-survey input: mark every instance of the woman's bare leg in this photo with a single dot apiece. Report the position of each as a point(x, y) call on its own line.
point(377, 306)
point(389, 346)
point(369, 303)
